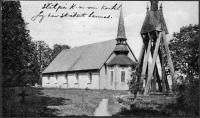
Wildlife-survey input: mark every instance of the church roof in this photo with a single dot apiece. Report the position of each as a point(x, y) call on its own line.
point(154, 20)
point(121, 60)
point(86, 57)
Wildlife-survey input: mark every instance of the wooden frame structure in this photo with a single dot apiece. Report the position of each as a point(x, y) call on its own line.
point(155, 46)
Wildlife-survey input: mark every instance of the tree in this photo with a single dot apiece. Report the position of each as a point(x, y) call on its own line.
point(16, 43)
point(57, 49)
point(136, 84)
point(184, 50)
point(42, 54)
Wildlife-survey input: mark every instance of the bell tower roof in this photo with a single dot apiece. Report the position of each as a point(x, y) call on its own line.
point(154, 19)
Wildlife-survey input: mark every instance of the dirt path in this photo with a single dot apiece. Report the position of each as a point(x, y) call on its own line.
point(102, 109)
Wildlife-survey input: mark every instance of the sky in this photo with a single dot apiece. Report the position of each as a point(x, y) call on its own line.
point(86, 28)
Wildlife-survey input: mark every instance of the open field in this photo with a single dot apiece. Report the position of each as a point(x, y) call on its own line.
point(57, 102)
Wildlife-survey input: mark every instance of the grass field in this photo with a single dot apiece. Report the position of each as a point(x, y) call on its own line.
point(57, 102)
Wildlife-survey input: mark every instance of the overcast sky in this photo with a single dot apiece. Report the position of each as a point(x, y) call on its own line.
point(77, 31)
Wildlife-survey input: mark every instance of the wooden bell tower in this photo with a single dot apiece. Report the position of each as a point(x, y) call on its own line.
point(155, 46)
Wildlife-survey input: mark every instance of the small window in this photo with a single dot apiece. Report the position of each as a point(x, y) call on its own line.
point(90, 78)
point(56, 80)
point(122, 76)
point(48, 79)
point(76, 79)
point(111, 76)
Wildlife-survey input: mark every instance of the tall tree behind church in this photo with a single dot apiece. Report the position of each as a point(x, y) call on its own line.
point(17, 49)
point(184, 48)
point(57, 49)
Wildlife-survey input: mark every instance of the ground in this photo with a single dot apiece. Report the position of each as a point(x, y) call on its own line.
point(78, 102)
point(57, 102)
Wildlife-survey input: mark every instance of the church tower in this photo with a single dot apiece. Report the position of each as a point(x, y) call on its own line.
point(120, 65)
point(155, 44)
point(121, 51)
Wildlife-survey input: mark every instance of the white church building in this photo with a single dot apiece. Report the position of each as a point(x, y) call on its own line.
point(103, 65)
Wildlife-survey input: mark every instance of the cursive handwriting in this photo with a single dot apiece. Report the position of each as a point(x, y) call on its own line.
point(57, 7)
point(38, 16)
point(75, 14)
point(54, 6)
point(114, 7)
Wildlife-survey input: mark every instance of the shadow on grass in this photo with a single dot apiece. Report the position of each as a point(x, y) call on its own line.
point(35, 104)
point(139, 112)
point(171, 109)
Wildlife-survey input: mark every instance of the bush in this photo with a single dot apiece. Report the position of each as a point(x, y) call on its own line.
point(187, 98)
point(135, 84)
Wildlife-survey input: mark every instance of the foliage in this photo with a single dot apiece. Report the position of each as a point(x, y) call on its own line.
point(184, 50)
point(135, 84)
point(57, 49)
point(42, 54)
point(17, 50)
point(188, 98)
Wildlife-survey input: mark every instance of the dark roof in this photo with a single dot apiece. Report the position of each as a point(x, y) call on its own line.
point(121, 29)
point(121, 60)
point(86, 57)
point(154, 20)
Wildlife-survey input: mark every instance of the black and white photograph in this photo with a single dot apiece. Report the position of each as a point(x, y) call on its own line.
point(100, 58)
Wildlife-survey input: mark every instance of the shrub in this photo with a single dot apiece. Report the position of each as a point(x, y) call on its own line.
point(187, 98)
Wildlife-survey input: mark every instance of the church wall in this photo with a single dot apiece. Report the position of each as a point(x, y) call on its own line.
point(72, 80)
point(124, 85)
point(95, 81)
point(45, 81)
point(111, 84)
point(62, 80)
point(103, 77)
point(116, 84)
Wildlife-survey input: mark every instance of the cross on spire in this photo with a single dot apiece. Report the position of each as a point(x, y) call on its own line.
point(121, 29)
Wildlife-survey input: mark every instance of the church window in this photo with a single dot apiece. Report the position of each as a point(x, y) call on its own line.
point(90, 78)
point(122, 76)
point(56, 80)
point(111, 76)
point(76, 79)
point(48, 79)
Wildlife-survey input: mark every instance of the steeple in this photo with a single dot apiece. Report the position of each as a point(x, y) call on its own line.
point(121, 47)
point(121, 28)
point(121, 50)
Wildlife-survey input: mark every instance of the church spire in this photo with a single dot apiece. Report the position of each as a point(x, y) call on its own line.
point(121, 29)
point(121, 47)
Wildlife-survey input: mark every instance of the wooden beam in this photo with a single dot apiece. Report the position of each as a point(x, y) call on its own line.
point(154, 81)
point(141, 54)
point(152, 64)
point(158, 79)
point(162, 66)
point(144, 67)
point(156, 69)
point(169, 58)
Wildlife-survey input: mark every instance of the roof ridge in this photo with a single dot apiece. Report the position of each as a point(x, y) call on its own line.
point(92, 43)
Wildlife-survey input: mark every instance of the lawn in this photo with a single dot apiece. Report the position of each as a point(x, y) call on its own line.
point(57, 102)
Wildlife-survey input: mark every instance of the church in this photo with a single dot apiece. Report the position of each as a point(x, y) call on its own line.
point(103, 65)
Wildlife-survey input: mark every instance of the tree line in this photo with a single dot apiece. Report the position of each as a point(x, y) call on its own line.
point(23, 59)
